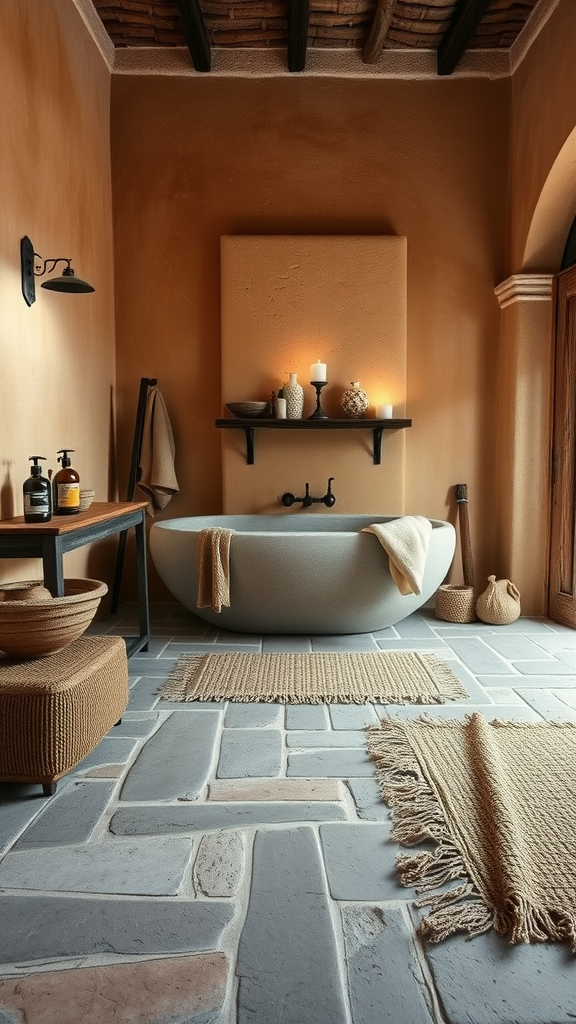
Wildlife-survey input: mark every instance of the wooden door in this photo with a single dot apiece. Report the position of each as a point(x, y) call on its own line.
point(562, 578)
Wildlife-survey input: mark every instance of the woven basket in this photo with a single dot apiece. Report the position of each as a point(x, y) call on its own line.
point(455, 603)
point(34, 629)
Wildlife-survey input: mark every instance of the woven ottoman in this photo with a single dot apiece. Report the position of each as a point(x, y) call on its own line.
point(55, 710)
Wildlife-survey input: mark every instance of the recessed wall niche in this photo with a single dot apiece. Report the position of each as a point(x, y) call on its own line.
point(288, 301)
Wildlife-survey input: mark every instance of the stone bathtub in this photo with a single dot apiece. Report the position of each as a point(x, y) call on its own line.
point(309, 573)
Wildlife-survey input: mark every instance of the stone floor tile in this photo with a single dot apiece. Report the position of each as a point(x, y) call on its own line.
point(70, 816)
point(106, 771)
point(415, 628)
point(307, 716)
point(46, 927)
point(191, 817)
point(175, 990)
point(249, 753)
point(547, 705)
point(252, 715)
point(566, 696)
point(277, 789)
point(286, 644)
point(361, 862)
point(143, 694)
point(487, 981)
point(352, 716)
point(288, 962)
point(150, 867)
point(20, 803)
point(521, 712)
point(504, 695)
point(516, 647)
point(478, 657)
point(368, 800)
point(521, 679)
point(385, 978)
point(352, 642)
point(135, 724)
point(327, 738)
point(220, 862)
point(554, 667)
point(176, 760)
point(433, 643)
point(110, 750)
point(342, 763)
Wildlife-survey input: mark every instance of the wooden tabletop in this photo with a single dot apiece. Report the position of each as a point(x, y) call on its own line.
point(99, 512)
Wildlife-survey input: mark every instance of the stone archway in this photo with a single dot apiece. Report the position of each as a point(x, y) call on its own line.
point(553, 213)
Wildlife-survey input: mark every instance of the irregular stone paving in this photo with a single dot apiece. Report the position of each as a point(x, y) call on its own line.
point(232, 863)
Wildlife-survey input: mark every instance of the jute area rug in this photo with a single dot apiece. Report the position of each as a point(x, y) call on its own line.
point(499, 800)
point(387, 677)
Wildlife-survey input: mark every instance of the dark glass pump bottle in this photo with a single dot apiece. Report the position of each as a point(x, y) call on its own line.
point(66, 487)
point(37, 494)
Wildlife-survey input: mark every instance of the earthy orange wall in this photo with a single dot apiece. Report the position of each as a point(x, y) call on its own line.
point(197, 158)
point(57, 367)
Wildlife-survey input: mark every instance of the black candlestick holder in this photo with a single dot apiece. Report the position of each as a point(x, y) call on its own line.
point(318, 413)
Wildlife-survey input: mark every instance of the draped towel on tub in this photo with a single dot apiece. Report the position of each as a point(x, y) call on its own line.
point(406, 542)
point(214, 568)
point(157, 475)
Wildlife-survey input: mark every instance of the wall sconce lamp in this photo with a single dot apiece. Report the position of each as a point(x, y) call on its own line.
point(34, 266)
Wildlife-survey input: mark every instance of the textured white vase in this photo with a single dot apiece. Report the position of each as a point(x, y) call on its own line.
point(294, 395)
point(354, 401)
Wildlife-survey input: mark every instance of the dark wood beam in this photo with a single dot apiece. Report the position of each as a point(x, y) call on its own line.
point(465, 21)
point(298, 19)
point(196, 34)
point(378, 30)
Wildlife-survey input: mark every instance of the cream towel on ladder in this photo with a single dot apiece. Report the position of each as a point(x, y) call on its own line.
point(157, 477)
point(406, 542)
point(214, 568)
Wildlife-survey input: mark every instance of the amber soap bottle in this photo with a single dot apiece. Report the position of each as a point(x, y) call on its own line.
point(37, 497)
point(66, 487)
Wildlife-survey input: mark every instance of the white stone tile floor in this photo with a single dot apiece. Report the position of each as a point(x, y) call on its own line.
point(232, 863)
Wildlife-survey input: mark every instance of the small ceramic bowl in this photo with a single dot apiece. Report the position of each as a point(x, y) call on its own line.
point(86, 499)
point(246, 410)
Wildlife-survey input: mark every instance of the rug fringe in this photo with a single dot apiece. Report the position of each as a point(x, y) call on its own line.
point(417, 816)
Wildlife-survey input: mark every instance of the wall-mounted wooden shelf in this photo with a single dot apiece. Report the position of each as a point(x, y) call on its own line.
point(376, 426)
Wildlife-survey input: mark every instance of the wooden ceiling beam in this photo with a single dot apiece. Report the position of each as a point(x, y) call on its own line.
point(378, 31)
point(298, 22)
point(196, 33)
point(465, 20)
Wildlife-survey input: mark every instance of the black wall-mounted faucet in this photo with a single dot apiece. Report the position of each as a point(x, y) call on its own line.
point(328, 499)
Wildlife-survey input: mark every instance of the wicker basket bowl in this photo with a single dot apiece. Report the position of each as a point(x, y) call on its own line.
point(32, 628)
point(246, 410)
point(455, 603)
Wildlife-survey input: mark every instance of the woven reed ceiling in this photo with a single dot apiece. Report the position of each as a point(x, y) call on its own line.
point(448, 26)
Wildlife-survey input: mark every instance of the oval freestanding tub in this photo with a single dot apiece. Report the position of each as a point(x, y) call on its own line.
point(290, 574)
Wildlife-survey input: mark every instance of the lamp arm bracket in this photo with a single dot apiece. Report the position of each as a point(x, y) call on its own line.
point(41, 266)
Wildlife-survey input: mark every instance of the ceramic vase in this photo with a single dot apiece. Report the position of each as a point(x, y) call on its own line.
point(354, 401)
point(294, 395)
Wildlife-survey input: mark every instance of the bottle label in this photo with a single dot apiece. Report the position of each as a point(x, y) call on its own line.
point(36, 502)
point(69, 495)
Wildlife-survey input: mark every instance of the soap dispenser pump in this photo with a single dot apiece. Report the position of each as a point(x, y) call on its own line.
point(66, 487)
point(37, 496)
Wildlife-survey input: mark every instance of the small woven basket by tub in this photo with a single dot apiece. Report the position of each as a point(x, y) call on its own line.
point(455, 603)
point(37, 624)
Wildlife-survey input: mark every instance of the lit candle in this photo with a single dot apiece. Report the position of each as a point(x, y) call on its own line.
point(318, 371)
point(384, 412)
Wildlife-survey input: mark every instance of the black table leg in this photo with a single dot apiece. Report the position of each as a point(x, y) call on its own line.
point(53, 565)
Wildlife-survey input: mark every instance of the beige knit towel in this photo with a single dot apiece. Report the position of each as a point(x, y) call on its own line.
point(406, 542)
point(157, 477)
point(214, 568)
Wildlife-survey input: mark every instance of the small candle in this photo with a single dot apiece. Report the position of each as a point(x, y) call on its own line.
point(318, 371)
point(384, 412)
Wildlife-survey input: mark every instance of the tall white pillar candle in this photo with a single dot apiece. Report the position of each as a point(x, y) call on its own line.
point(318, 371)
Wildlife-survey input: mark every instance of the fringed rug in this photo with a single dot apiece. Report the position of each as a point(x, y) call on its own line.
point(499, 800)
point(388, 677)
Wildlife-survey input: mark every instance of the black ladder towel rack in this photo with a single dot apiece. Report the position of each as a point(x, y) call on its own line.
point(145, 383)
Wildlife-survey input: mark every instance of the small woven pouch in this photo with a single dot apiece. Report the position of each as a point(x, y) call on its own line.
point(500, 602)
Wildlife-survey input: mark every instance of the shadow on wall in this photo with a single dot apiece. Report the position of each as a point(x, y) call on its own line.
point(7, 504)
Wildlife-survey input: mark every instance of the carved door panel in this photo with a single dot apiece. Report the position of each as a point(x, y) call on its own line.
point(562, 578)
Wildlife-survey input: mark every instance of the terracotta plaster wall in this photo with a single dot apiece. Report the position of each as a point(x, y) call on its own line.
point(543, 120)
point(57, 359)
point(197, 158)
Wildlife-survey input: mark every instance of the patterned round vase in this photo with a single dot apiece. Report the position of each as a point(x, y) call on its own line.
point(294, 395)
point(354, 401)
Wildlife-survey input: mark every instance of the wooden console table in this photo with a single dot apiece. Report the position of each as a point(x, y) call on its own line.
point(49, 541)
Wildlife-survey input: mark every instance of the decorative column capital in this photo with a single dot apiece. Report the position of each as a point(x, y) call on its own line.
point(524, 288)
